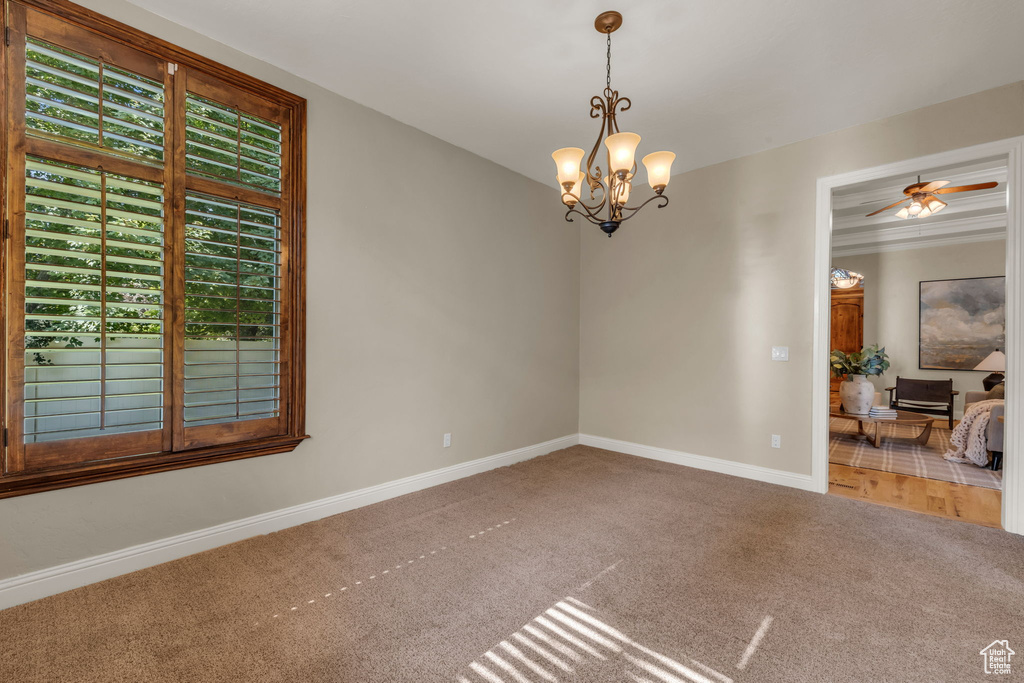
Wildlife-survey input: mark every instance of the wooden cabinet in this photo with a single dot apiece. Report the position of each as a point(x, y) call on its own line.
point(847, 326)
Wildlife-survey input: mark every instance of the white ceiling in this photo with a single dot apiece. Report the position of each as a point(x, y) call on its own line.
point(709, 79)
point(968, 217)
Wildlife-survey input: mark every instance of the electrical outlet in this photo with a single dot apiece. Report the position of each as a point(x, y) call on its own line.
point(776, 441)
point(447, 440)
point(780, 353)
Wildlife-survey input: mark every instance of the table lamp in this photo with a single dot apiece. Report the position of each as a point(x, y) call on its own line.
point(995, 363)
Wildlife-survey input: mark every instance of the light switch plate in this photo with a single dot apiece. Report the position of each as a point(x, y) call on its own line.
point(780, 353)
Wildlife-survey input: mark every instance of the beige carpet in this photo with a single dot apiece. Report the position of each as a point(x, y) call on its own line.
point(583, 566)
point(899, 453)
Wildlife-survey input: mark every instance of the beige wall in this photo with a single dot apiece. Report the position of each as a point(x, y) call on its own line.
point(680, 308)
point(448, 305)
point(892, 302)
point(429, 316)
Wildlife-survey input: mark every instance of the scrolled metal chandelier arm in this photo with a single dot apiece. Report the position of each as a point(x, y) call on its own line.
point(588, 212)
point(604, 192)
point(572, 200)
point(636, 209)
point(617, 185)
point(591, 212)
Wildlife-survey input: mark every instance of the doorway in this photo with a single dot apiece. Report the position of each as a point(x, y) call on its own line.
point(916, 272)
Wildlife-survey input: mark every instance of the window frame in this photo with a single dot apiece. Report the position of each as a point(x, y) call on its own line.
point(227, 440)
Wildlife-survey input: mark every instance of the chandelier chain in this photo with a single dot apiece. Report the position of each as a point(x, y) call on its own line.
point(608, 79)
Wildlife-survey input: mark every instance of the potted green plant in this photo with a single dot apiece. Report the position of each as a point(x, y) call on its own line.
point(856, 392)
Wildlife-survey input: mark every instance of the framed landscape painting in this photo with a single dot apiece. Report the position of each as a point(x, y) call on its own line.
point(961, 322)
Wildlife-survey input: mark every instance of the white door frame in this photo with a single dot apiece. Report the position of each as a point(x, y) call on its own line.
point(1013, 471)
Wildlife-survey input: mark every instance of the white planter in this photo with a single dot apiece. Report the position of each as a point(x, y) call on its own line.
point(857, 394)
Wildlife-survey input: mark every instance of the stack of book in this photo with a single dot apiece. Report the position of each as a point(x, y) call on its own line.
point(882, 412)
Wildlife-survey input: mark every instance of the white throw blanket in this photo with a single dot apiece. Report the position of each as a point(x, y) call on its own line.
point(968, 441)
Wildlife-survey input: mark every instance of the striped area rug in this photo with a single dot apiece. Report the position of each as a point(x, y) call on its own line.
point(900, 454)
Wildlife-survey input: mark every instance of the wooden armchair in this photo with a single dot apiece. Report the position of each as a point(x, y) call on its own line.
point(929, 396)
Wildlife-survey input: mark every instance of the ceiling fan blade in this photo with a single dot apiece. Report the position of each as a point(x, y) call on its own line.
point(934, 185)
point(966, 188)
point(875, 213)
point(911, 189)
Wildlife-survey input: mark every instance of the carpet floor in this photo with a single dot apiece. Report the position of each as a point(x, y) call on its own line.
point(900, 454)
point(582, 566)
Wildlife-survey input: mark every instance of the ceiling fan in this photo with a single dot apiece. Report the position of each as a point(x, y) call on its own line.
point(923, 202)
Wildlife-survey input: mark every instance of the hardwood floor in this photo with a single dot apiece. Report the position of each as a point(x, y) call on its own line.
point(974, 504)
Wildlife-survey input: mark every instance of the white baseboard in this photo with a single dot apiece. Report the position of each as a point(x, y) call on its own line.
point(45, 582)
point(702, 462)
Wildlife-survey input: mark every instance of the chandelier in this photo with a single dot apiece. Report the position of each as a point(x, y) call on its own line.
point(845, 279)
point(608, 194)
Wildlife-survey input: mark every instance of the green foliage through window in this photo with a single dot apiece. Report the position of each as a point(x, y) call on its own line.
point(77, 99)
point(229, 145)
point(94, 300)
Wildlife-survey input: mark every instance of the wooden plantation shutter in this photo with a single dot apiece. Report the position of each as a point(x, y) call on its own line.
point(232, 346)
point(74, 98)
point(235, 266)
point(94, 315)
point(153, 262)
point(86, 357)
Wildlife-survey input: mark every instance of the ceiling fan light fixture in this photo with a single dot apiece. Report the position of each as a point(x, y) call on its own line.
point(924, 203)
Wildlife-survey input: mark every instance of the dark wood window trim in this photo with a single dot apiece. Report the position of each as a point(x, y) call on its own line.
point(232, 441)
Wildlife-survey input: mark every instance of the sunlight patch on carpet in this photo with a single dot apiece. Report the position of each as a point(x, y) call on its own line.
point(569, 638)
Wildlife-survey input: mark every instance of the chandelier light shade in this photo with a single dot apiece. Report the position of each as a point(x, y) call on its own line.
point(601, 196)
point(567, 161)
point(659, 169)
point(621, 150)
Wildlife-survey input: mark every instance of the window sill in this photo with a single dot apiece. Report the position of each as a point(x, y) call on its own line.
point(91, 473)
